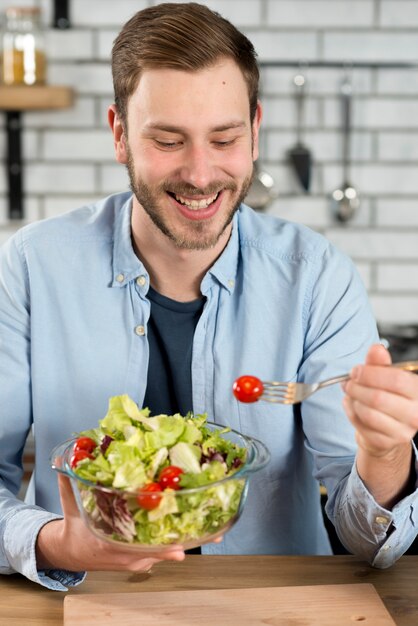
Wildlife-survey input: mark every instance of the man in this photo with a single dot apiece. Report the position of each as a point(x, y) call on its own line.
point(171, 292)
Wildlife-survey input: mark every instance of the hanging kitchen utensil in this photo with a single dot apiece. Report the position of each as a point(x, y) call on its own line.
point(262, 192)
point(345, 199)
point(299, 156)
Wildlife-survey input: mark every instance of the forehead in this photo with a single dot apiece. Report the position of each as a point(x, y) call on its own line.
point(190, 97)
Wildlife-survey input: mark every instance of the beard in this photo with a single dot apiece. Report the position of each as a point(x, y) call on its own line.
point(199, 235)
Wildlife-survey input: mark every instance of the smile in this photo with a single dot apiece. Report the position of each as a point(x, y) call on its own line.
point(194, 204)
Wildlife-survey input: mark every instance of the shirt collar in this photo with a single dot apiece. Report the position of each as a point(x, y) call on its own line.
point(225, 267)
point(126, 265)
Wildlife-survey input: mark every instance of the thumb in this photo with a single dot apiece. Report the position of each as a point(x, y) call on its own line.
point(68, 503)
point(378, 355)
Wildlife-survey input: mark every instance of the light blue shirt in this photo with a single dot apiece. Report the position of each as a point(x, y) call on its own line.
point(281, 303)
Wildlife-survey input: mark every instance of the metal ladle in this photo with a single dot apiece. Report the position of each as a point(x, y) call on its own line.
point(262, 191)
point(345, 200)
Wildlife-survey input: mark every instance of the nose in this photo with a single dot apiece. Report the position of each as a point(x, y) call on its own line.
point(198, 168)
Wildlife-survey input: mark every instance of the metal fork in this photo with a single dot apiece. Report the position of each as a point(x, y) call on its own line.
point(293, 393)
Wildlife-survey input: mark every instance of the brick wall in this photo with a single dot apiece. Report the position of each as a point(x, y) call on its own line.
point(69, 154)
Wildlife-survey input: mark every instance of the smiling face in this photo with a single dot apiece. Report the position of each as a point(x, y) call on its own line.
point(189, 151)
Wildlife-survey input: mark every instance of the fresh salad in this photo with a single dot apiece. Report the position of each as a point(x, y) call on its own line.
point(155, 480)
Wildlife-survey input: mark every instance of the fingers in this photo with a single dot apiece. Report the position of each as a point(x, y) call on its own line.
point(378, 355)
point(379, 424)
point(68, 503)
point(374, 376)
point(382, 403)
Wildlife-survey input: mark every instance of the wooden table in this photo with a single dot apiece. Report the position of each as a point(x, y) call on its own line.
point(28, 604)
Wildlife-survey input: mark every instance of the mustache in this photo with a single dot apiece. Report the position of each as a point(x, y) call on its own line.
point(181, 188)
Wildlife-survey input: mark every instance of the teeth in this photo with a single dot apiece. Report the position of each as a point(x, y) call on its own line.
point(196, 204)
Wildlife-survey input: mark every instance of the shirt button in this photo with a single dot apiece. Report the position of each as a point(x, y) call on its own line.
point(120, 278)
point(141, 281)
point(231, 283)
point(381, 519)
point(139, 330)
point(386, 548)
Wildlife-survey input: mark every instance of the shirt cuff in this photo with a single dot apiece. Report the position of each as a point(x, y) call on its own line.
point(382, 536)
point(20, 534)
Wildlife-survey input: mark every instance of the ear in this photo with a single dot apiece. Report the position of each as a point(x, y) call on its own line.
point(119, 135)
point(255, 129)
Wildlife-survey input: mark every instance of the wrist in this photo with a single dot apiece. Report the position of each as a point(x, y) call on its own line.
point(47, 547)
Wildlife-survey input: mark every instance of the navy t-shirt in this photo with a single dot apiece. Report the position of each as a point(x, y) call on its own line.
point(170, 336)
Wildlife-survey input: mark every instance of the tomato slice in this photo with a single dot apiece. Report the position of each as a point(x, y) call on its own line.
point(79, 455)
point(85, 443)
point(149, 496)
point(247, 388)
point(170, 477)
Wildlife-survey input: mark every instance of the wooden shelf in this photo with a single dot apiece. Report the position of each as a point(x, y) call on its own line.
point(14, 101)
point(27, 98)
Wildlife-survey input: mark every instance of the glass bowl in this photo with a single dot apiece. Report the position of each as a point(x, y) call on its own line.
point(186, 518)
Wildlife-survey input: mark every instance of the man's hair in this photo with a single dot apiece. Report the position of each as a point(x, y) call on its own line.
point(186, 37)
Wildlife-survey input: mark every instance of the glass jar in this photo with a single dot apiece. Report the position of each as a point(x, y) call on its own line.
point(23, 55)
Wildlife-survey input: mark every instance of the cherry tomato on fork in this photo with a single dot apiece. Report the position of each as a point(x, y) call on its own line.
point(247, 388)
point(149, 496)
point(170, 477)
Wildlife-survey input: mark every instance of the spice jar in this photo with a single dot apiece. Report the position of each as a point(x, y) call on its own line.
point(23, 55)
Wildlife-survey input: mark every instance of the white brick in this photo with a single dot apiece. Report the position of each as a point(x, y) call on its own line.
point(398, 146)
point(397, 212)
point(320, 14)
point(281, 113)
point(398, 13)
point(281, 46)
point(319, 81)
point(312, 211)
point(368, 244)
point(396, 309)
point(398, 277)
point(376, 179)
point(324, 146)
point(241, 13)
point(371, 46)
point(81, 114)
point(99, 13)
point(113, 178)
point(105, 39)
point(93, 145)
point(69, 44)
point(89, 78)
point(372, 113)
point(397, 81)
point(48, 177)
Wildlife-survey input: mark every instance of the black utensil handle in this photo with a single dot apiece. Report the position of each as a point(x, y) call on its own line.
point(300, 102)
point(346, 120)
point(61, 14)
point(14, 164)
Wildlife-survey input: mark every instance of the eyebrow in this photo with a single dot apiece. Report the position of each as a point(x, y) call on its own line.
point(179, 129)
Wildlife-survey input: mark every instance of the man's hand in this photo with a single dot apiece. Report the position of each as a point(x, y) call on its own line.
point(382, 404)
point(68, 544)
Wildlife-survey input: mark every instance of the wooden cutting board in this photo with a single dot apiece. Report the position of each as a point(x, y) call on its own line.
point(319, 605)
